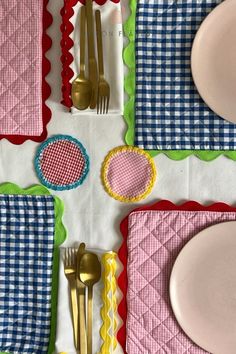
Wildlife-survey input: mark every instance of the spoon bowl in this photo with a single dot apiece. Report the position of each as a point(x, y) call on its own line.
point(90, 269)
point(81, 93)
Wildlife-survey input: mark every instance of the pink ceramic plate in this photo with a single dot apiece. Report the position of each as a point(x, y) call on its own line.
point(203, 289)
point(214, 60)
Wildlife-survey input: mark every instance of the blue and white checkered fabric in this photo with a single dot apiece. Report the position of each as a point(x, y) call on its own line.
point(26, 257)
point(170, 115)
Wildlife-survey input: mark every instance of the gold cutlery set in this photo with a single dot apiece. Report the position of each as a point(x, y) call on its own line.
point(94, 91)
point(82, 270)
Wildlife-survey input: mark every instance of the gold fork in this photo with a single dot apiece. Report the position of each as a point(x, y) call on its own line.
point(70, 273)
point(103, 86)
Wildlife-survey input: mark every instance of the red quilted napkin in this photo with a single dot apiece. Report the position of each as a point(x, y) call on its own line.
point(23, 67)
point(153, 238)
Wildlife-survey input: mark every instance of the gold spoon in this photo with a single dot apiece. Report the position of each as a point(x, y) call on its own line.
point(90, 274)
point(82, 339)
point(82, 87)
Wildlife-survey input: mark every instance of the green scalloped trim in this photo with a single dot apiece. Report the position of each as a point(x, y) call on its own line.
point(60, 236)
point(129, 109)
point(129, 81)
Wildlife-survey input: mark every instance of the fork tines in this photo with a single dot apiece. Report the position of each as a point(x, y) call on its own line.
point(103, 98)
point(70, 256)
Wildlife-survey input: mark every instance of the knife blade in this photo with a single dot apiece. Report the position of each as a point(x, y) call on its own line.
point(82, 337)
point(92, 62)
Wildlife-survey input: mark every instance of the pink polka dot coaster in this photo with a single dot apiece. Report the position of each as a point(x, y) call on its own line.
point(128, 174)
point(62, 163)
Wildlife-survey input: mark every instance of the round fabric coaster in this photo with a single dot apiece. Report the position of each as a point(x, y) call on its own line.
point(62, 163)
point(128, 174)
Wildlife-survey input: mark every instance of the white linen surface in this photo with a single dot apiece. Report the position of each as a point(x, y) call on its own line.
point(90, 214)
point(112, 53)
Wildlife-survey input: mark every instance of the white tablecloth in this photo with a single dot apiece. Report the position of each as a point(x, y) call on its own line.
point(90, 214)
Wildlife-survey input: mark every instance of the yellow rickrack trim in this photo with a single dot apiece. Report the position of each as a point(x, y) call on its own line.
point(105, 167)
point(109, 309)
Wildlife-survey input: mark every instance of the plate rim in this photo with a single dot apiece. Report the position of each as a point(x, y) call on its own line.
point(223, 4)
point(171, 278)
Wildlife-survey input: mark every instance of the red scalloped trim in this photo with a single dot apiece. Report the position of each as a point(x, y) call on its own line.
point(46, 90)
point(66, 44)
point(99, 2)
point(123, 251)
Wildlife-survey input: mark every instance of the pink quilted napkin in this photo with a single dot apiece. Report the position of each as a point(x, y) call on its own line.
point(155, 239)
point(22, 25)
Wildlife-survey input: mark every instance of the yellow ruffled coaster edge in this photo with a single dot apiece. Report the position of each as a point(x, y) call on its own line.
point(105, 167)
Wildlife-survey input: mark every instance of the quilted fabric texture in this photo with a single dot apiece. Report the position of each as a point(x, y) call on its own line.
point(170, 115)
point(21, 67)
point(26, 244)
point(155, 239)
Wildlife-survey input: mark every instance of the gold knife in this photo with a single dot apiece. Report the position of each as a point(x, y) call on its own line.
point(93, 70)
point(81, 303)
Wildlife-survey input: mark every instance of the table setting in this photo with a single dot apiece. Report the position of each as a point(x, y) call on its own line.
point(153, 239)
point(107, 38)
point(117, 179)
point(161, 40)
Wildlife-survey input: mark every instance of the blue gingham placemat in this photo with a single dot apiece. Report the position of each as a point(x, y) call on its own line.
point(169, 113)
point(26, 259)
